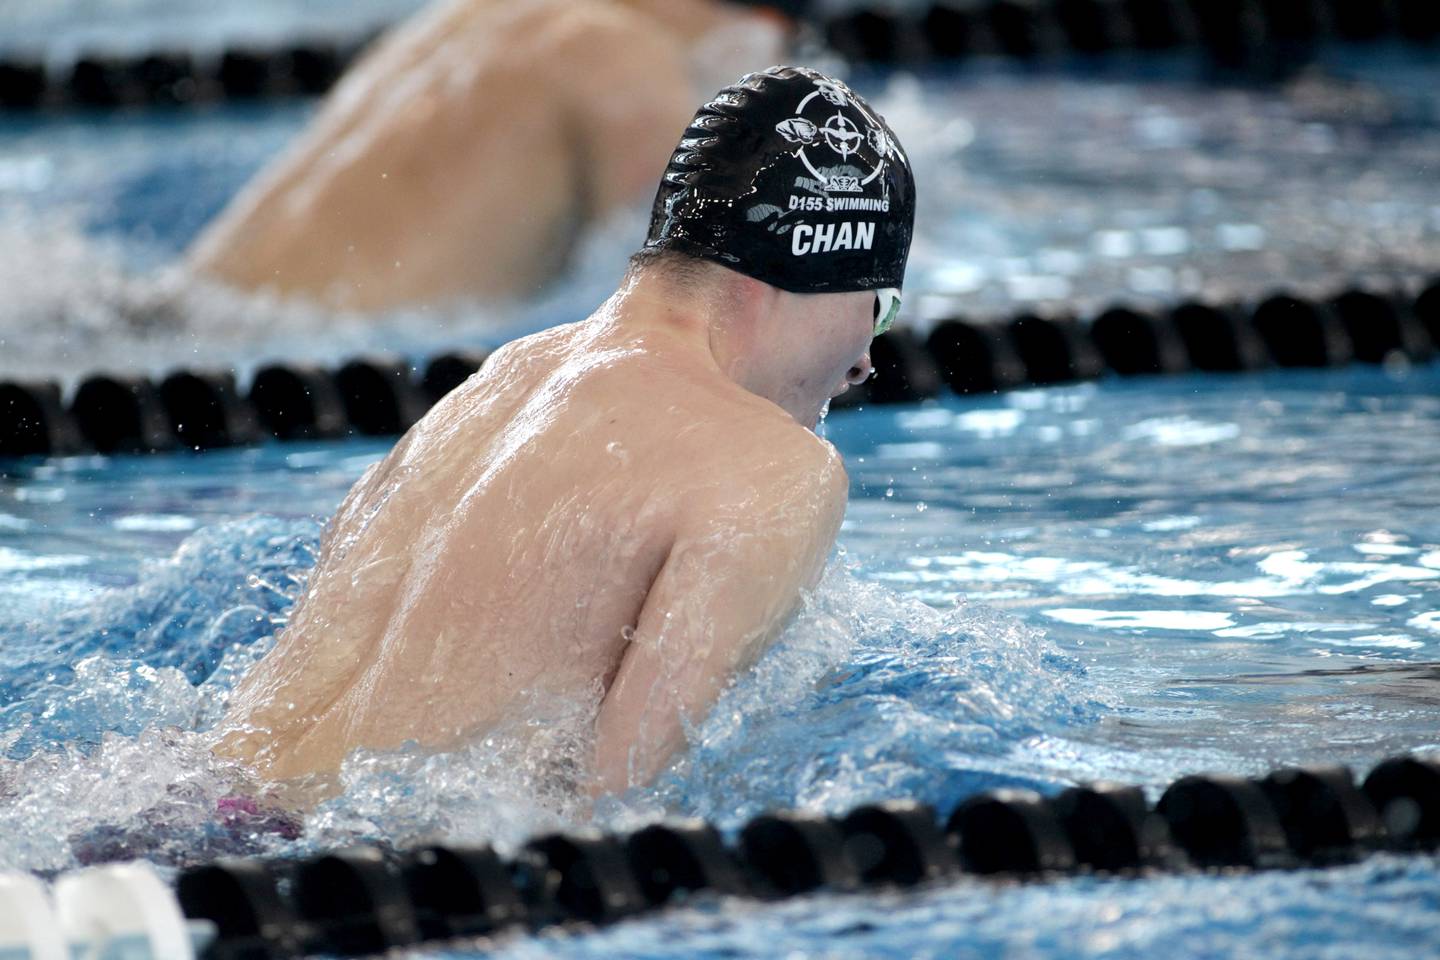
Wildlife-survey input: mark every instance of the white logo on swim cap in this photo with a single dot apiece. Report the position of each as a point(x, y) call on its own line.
point(879, 141)
point(797, 130)
point(840, 134)
point(833, 92)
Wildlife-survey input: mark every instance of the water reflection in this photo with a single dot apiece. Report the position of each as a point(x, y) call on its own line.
point(1209, 527)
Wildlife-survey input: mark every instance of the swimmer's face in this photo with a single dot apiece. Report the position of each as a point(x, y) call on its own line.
point(828, 337)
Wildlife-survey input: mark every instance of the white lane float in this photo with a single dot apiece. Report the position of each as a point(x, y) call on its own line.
point(28, 928)
point(120, 912)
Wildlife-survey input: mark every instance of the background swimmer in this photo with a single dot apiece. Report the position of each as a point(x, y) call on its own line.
point(462, 155)
point(631, 503)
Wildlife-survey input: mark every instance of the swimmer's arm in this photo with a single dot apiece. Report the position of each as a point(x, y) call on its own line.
point(721, 597)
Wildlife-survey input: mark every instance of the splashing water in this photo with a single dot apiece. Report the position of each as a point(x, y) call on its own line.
point(867, 694)
point(820, 420)
point(871, 695)
point(107, 705)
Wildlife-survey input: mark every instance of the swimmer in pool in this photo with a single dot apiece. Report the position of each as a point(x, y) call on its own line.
point(630, 505)
point(462, 156)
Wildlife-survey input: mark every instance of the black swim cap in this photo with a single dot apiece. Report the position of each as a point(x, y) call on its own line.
point(790, 178)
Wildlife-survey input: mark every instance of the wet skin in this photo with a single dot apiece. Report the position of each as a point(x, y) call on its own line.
point(624, 509)
point(461, 156)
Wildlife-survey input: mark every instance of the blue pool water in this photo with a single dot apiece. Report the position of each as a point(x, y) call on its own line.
point(1128, 580)
point(1048, 189)
point(1120, 580)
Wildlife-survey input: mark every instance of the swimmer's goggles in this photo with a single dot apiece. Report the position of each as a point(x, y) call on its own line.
point(887, 307)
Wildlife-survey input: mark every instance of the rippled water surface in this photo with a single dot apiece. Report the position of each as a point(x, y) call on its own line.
point(1127, 580)
point(1039, 188)
point(1262, 551)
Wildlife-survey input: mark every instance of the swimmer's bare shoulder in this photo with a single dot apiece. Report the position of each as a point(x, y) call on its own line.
point(378, 203)
point(750, 540)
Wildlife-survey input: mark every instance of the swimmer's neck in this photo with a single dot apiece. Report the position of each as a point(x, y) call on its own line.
point(719, 325)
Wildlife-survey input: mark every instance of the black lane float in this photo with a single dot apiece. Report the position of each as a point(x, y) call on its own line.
point(1256, 38)
point(364, 900)
point(384, 396)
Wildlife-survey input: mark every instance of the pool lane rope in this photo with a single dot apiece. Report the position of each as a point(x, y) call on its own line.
point(170, 78)
point(1258, 37)
point(1268, 37)
point(364, 900)
point(381, 395)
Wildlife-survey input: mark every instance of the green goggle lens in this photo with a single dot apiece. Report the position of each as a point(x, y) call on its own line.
point(887, 307)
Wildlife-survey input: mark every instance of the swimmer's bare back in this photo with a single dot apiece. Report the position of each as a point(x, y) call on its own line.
point(461, 156)
point(599, 510)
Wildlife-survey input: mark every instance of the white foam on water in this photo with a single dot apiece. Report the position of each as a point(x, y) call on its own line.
point(928, 687)
point(866, 693)
point(73, 306)
point(77, 304)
